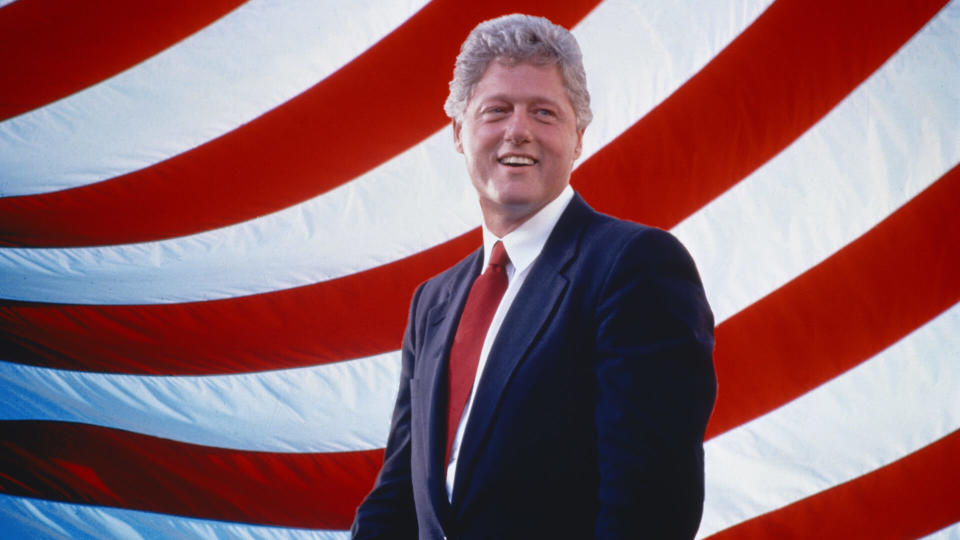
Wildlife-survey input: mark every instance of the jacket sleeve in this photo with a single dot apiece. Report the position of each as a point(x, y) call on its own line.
point(388, 511)
point(655, 389)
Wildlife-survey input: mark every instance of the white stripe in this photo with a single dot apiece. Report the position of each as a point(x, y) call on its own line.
point(6, 2)
point(417, 200)
point(747, 242)
point(947, 533)
point(22, 517)
point(329, 408)
point(798, 450)
point(154, 111)
point(893, 137)
point(794, 451)
point(253, 59)
point(896, 403)
point(635, 58)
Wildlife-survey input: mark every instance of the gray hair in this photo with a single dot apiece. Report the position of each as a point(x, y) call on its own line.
point(519, 38)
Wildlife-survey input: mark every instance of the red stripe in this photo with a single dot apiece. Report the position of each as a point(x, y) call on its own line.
point(819, 320)
point(910, 498)
point(84, 464)
point(330, 134)
point(838, 52)
point(776, 80)
point(216, 336)
point(51, 49)
point(177, 336)
point(829, 319)
point(865, 297)
point(355, 316)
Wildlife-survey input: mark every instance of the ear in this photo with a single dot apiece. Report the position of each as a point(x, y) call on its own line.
point(457, 141)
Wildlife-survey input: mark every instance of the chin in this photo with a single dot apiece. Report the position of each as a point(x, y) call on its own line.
point(517, 194)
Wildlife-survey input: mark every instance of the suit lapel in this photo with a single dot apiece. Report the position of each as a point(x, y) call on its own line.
point(442, 319)
point(531, 311)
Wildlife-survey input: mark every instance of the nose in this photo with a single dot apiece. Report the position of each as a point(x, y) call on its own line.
point(517, 130)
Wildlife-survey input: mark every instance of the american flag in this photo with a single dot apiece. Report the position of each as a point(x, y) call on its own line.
point(213, 216)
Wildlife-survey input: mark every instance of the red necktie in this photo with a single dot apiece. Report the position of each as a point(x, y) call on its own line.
point(482, 302)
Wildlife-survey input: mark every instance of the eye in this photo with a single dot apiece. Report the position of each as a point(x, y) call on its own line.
point(544, 112)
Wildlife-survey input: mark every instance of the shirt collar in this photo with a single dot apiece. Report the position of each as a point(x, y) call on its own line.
point(525, 243)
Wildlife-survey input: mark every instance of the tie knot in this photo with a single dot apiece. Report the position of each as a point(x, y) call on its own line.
point(498, 256)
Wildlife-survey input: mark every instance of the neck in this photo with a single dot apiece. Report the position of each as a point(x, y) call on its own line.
point(504, 220)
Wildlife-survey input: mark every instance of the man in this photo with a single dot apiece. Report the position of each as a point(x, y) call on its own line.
point(563, 392)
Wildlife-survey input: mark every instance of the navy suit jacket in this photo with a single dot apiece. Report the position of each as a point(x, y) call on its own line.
point(589, 417)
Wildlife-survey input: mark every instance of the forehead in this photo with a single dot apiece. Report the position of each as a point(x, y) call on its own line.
point(521, 81)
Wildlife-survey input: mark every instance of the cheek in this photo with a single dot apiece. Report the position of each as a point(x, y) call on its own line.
point(563, 149)
point(471, 142)
point(484, 140)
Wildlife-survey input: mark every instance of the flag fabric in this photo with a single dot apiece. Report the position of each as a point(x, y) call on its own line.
point(213, 216)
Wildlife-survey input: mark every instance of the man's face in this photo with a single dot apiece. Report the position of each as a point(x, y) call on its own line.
point(519, 136)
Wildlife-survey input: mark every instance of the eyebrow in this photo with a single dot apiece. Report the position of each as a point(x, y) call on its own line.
point(536, 99)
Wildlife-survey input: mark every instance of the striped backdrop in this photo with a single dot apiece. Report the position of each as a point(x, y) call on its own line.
point(213, 215)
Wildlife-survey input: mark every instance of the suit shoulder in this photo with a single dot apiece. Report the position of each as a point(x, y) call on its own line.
point(617, 235)
point(438, 284)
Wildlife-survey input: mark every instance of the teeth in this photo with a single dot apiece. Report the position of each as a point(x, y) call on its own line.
point(517, 160)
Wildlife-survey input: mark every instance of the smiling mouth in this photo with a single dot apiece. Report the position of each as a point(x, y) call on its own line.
point(517, 161)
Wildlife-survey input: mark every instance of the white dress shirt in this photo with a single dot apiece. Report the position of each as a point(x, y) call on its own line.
point(523, 245)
